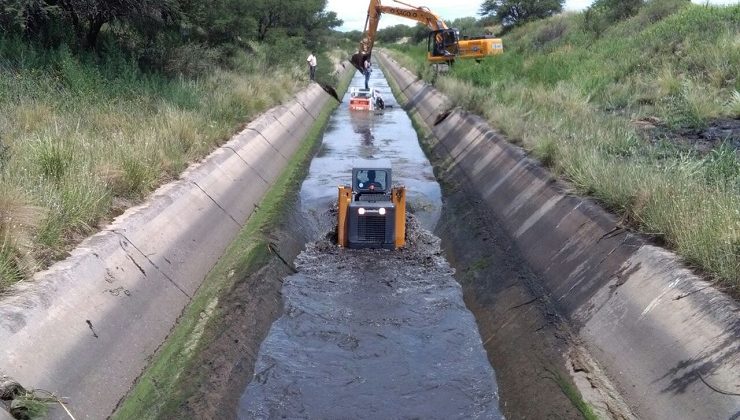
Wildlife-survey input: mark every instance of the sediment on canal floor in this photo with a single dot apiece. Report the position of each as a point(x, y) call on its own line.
point(373, 334)
point(667, 340)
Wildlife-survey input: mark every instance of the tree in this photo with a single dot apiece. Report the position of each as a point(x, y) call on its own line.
point(217, 21)
point(468, 26)
point(420, 33)
point(158, 32)
point(394, 33)
point(86, 18)
point(513, 13)
point(297, 17)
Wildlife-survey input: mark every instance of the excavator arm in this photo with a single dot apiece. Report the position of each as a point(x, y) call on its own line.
point(375, 10)
point(444, 44)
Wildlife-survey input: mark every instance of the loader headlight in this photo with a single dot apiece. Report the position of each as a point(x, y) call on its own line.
point(361, 211)
point(381, 211)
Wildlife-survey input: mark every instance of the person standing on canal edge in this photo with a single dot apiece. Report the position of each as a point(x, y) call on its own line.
point(368, 69)
point(311, 66)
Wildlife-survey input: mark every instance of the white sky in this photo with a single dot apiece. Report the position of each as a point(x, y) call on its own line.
point(353, 12)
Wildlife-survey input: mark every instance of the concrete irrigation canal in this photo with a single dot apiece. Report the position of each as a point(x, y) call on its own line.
point(372, 333)
point(225, 295)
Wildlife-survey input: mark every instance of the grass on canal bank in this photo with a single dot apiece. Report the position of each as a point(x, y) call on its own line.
point(645, 118)
point(84, 138)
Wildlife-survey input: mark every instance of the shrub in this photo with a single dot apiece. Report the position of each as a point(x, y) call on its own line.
point(53, 158)
point(553, 30)
point(191, 60)
point(18, 222)
point(604, 13)
point(655, 10)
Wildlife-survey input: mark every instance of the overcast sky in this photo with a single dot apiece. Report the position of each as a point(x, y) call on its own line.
point(353, 12)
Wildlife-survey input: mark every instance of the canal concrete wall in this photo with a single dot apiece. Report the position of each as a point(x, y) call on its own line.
point(87, 327)
point(666, 338)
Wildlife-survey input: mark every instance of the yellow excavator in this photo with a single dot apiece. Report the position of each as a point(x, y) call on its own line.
point(444, 45)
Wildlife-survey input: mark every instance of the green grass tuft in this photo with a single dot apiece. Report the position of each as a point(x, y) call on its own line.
point(573, 395)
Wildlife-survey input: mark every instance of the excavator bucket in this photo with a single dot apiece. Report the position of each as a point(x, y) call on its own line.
point(331, 91)
point(358, 60)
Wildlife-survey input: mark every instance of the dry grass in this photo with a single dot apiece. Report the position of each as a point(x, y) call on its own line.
point(18, 222)
point(74, 147)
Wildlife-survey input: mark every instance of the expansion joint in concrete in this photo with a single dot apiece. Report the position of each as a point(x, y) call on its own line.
point(268, 142)
point(247, 163)
point(616, 247)
point(217, 204)
point(305, 109)
point(123, 246)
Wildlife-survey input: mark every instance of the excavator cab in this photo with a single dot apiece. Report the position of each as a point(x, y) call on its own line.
point(443, 45)
point(372, 212)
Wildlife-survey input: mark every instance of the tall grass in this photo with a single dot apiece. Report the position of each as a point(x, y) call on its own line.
point(572, 99)
point(81, 139)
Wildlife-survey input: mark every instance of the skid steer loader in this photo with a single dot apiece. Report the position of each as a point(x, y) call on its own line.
point(372, 212)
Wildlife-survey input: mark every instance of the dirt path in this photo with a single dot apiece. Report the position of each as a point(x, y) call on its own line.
point(373, 334)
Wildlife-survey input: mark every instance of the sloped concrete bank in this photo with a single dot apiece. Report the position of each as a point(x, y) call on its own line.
point(667, 339)
point(86, 328)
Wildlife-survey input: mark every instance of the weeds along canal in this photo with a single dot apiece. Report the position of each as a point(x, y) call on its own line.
point(451, 326)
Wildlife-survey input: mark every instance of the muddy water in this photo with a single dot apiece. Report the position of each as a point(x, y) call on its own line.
point(372, 333)
point(352, 135)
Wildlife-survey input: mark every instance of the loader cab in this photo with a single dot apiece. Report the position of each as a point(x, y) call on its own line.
point(372, 182)
point(443, 45)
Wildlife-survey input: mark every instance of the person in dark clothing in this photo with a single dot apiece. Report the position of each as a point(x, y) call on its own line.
point(368, 69)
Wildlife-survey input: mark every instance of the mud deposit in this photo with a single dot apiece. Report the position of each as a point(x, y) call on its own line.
point(373, 334)
point(525, 338)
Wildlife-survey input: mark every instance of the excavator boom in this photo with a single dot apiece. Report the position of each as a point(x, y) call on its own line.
point(375, 10)
point(443, 47)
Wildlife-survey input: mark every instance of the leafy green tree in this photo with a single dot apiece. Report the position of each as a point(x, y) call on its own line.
point(352, 36)
point(85, 18)
point(217, 21)
point(469, 26)
point(421, 32)
point(394, 33)
point(297, 17)
point(175, 36)
point(513, 13)
point(89, 16)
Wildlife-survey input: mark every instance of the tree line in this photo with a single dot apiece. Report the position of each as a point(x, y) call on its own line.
point(495, 15)
point(148, 28)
